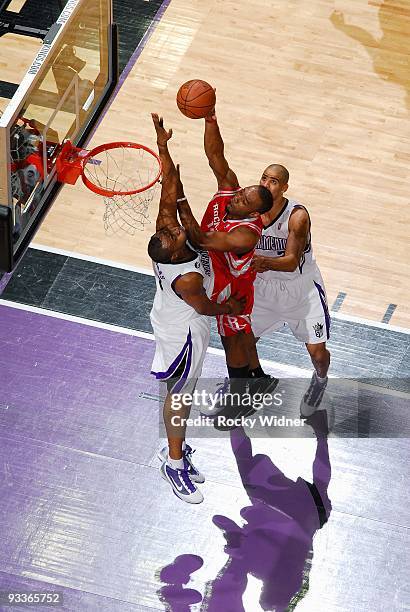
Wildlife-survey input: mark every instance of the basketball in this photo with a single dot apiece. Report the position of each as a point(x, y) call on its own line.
point(196, 99)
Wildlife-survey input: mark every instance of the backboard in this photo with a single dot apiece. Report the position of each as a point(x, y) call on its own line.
point(61, 97)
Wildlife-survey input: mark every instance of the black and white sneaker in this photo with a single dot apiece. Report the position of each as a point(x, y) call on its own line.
point(313, 396)
point(193, 472)
point(265, 385)
point(231, 416)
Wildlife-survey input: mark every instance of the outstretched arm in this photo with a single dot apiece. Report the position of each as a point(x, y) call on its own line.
point(240, 240)
point(167, 214)
point(298, 235)
point(214, 149)
point(188, 220)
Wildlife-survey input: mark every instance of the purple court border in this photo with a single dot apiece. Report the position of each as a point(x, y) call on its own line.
point(132, 61)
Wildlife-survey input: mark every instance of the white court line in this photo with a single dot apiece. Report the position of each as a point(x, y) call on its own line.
point(284, 370)
point(66, 317)
point(279, 369)
point(369, 322)
point(149, 272)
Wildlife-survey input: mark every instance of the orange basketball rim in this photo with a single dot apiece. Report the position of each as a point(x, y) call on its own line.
point(112, 169)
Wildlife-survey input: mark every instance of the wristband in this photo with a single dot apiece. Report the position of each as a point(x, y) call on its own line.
point(181, 200)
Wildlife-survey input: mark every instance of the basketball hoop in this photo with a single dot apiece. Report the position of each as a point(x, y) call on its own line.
point(125, 174)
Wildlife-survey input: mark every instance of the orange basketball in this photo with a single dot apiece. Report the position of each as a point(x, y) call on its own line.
point(196, 99)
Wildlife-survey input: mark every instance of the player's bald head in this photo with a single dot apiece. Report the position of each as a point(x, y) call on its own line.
point(279, 171)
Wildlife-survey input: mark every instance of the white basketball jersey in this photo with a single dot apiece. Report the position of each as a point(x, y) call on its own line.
point(169, 310)
point(273, 244)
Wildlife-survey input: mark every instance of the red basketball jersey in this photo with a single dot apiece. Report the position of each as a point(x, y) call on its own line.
point(225, 268)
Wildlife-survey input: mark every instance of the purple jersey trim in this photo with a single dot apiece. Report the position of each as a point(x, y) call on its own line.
point(322, 297)
point(186, 351)
point(173, 286)
point(182, 380)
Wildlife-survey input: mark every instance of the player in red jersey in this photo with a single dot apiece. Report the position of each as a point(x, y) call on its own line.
point(231, 271)
point(229, 237)
point(229, 232)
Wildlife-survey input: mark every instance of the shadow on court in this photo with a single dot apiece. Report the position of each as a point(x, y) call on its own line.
point(390, 52)
point(275, 542)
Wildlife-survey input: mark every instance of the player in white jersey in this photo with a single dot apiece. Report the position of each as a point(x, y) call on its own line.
point(181, 331)
point(289, 287)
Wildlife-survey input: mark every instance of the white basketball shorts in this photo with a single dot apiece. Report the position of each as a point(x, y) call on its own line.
point(180, 353)
point(300, 302)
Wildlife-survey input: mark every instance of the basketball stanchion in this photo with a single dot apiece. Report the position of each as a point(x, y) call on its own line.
point(125, 174)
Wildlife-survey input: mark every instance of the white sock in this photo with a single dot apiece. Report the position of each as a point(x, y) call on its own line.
point(176, 464)
point(321, 380)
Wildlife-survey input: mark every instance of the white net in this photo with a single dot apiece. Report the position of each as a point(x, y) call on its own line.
point(128, 213)
point(124, 169)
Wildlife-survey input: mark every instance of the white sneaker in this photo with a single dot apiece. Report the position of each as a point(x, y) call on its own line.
point(194, 474)
point(181, 484)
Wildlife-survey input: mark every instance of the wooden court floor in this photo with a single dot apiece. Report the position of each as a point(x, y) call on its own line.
point(323, 88)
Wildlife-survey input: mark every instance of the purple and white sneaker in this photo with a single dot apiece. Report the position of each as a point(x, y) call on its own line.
point(181, 484)
point(194, 474)
point(313, 396)
point(219, 402)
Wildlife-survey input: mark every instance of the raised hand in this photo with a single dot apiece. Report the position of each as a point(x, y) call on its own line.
point(163, 135)
point(211, 116)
